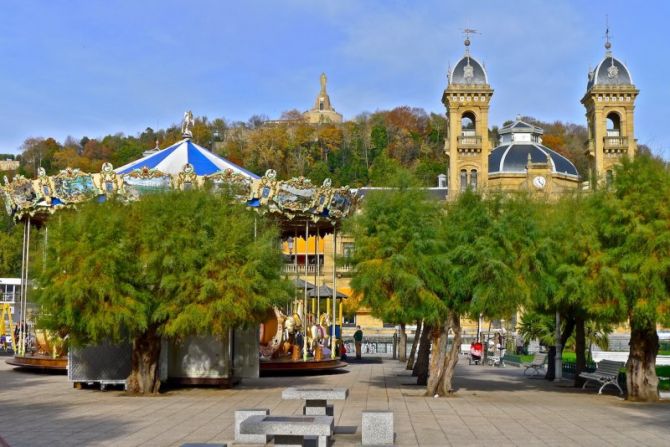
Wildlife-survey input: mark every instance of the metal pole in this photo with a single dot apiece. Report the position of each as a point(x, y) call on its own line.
point(334, 320)
point(317, 271)
point(558, 375)
point(25, 293)
point(304, 308)
point(295, 265)
point(22, 286)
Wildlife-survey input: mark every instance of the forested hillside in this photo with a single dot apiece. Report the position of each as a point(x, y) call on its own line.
point(365, 150)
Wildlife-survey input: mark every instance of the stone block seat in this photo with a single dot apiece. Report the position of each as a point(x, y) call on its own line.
point(290, 430)
point(316, 399)
point(377, 428)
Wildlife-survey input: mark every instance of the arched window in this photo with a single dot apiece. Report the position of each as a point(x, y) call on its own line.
point(321, 104)
point(613, 124)
point(464, 179)
point(468, 124)
point(609, 178)
point(473, 179)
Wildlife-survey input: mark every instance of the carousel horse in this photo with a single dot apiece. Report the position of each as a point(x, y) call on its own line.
point(318, 333)
point(272, 333)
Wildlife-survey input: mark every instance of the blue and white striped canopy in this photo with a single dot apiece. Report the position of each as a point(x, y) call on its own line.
point(171, 160)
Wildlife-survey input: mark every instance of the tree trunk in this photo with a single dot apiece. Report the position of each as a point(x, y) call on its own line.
point(438, 358)
point(551, 364)
point(422, 359)
point(580, 350)
point(143, 377)
point(567, 332)
point(641, 378)
point(415, 342)
point(442, 370)
point(402, 344)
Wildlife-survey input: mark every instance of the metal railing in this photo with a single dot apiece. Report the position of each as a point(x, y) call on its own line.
point(311, 269)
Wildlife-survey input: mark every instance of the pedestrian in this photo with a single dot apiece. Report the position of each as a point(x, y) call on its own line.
point(358, 339)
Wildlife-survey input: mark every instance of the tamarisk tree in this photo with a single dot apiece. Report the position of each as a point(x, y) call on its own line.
point(635, 233)
point(169, 265)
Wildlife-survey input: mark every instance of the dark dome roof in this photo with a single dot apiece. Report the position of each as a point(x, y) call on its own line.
point(610, 71)
point(513, 158)
point(468, 71)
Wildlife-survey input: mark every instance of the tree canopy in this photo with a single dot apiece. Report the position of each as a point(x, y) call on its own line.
point(171, 264)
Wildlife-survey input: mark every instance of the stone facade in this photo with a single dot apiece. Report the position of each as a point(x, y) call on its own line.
point(9, 165)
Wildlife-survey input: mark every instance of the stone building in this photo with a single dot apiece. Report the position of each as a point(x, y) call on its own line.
point(521, 161)
point(323, 111)
point(610, 103)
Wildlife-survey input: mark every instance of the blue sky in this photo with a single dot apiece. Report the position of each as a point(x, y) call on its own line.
point(97, 67)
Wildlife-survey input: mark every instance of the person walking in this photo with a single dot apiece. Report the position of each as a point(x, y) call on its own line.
point(358, 339)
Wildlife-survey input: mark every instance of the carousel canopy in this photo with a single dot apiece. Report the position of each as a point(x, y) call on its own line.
point(171, 160)
point(324, 292)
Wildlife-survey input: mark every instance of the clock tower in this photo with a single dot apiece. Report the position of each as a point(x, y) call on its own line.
point(467, 144)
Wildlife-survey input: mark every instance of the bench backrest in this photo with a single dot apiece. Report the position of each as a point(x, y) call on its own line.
point(609, 367)
point(539, 358)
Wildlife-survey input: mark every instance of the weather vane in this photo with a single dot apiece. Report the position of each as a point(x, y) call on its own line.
point(608, 44)
point(467, 32)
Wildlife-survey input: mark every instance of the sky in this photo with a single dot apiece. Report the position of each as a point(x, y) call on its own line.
point(94, 67)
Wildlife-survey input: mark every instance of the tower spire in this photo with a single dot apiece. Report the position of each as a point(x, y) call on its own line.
point(466, 42)
point(608, 44)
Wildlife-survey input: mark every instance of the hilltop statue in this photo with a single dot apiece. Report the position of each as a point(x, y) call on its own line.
point(187, 124)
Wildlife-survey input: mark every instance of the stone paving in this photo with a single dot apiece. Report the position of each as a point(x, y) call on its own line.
point(493, 406)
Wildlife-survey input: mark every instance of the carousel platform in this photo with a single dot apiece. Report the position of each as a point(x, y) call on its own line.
point(286, 366)
point(39, 363)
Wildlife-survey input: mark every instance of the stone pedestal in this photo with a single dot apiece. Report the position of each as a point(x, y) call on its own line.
point(241, 416)
point(377, 428)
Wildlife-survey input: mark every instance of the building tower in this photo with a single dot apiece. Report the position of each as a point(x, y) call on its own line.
point(323, 111)
point(610, 103)
point(467, 145)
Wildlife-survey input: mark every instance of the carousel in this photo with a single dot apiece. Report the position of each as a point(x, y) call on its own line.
point(302, 335)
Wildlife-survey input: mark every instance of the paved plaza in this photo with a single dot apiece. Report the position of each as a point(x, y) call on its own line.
point(493, 406)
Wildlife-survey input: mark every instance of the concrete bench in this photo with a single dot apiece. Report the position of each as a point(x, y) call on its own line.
point(290, 430)
point(243, 415)
point(606, 373)
point(377, 427)
point(536, 364)
point(316, 399)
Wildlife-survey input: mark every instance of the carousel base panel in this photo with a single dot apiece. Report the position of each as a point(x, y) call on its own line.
point(221, 382)
point(39, 363)
point(308, 367)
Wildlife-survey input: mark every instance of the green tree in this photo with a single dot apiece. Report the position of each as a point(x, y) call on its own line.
point(398, 257)
point(635, 233)
point(11, 242)
point(491, 254)
point(169, 265)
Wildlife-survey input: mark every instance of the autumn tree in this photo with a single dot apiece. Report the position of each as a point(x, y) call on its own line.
point(169, 265)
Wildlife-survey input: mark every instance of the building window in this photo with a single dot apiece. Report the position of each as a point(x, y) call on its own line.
point(473, 180)
point(609, 178)
point(321, 104)
point(464, 180)
point(347, 249)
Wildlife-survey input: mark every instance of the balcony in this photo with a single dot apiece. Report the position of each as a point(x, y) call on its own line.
point(469, 143)
point(310, 269)
point(615, 144)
